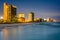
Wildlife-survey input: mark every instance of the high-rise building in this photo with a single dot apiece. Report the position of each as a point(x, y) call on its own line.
point(21, 17)
point(9, 12)
point(31, 17)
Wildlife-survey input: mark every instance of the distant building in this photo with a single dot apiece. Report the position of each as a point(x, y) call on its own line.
point(38, 20)
point(1, 20)
point(9, 12)
point(44, 20)
point(21, 17)
point(31, 17)
point(49, 20)
point(54, 20)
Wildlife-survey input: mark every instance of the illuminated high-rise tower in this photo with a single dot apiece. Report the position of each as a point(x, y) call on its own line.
point(21, 17)
point(9, 12)
point(31, 17)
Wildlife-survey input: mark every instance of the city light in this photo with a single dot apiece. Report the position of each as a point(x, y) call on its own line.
point(1, 17)
point(11, 17)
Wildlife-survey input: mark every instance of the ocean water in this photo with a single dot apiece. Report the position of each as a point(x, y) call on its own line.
point(31, 31)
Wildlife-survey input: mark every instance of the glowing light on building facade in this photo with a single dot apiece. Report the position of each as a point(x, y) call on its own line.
point(9, 12)
point(49, 20)
point(21, 17)
point(31, 17)
point(38, 20)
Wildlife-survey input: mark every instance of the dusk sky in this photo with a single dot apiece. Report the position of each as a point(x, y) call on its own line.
point(41, 8)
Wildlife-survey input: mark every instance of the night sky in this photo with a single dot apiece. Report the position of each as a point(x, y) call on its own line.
point(41, 8)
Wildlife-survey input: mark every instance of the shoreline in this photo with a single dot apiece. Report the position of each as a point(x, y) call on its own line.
point(26, 22)
point(20, 24)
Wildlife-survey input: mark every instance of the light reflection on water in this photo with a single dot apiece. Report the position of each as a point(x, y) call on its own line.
point(33, 31)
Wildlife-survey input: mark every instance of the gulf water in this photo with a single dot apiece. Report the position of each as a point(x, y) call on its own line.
point(31, 31)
